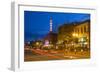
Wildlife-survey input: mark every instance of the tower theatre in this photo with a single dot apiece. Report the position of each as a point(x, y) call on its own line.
point(51, 37)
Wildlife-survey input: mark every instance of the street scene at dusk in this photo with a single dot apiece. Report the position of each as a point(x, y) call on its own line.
point(56, 36)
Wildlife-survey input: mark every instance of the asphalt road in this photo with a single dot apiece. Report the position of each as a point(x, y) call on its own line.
point(41, 55)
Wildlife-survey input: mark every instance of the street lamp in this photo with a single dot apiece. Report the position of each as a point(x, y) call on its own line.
point(75, 35)
point(37, 43)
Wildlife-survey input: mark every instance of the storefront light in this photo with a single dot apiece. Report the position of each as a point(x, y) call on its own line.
point(85, 43)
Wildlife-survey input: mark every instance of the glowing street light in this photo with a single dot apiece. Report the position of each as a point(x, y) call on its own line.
point(75, 34)
point(37, 43)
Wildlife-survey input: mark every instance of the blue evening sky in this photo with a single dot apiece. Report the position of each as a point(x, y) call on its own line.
point(36, 24)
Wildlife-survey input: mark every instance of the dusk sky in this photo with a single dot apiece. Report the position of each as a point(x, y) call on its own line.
point(37, 24)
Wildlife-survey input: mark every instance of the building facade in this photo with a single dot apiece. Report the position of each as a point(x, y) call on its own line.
point(75, 34)
point(82, 32)
point(65, 33)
